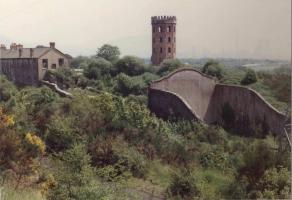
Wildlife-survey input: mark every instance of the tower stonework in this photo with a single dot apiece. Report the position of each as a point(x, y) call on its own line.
point(163, 38)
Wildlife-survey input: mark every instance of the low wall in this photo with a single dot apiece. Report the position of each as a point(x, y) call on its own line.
point(236, 107)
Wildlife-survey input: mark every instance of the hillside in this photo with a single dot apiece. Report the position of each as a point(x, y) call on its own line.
point(104, 143)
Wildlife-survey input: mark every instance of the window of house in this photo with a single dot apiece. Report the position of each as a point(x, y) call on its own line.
point(45, 63)
point(54, 66)
point(169, 29)
point(169, 39)
point(159, 29)
point(169, 50)
point(161, 50)
point(161, 39)
point(61, 62)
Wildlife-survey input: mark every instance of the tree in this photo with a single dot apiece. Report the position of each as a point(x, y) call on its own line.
point(74, 176)
point(213, 68)
point(169, 65)
point(130, 85)
point(249, 78)
point(184, 185)
point(108, 52)
point(77, 61)
point(97, 68)
point(59, 135)
point(130, 65)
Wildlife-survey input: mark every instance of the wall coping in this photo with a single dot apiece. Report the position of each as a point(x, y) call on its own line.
point(180, 70)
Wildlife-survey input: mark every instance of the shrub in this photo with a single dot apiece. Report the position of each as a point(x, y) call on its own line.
point(74, 176)
point(130, 65)
point(97, 68)
point(59, 135)
point(7, 89)
point(249, 78)
point(119, 161)
point(168, 66)
point(130, 85)
point(183, 185)
point(213, 68)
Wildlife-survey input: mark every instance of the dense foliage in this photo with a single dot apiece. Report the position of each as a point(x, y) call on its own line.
point(213, 68)
point(105, 144)
point(249, 78)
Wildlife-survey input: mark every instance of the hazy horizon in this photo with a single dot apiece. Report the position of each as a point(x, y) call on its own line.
point(205, 28)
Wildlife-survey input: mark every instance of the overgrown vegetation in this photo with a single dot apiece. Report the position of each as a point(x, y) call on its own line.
point(105, 144)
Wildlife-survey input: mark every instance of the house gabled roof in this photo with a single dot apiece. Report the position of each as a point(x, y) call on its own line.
point(37, 52)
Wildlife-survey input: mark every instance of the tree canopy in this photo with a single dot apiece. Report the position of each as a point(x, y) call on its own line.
point(213, 68)
point(108, 52)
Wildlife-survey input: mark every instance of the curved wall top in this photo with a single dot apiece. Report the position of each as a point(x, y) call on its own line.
point(192, 86)
point(206, 98)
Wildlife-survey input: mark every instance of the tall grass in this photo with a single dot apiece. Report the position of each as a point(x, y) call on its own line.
point(7, 193)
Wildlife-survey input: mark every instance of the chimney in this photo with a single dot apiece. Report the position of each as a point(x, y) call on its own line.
point(31, 52)
point(2, 46)
point(13, 46)
point(20, 52)
point(19, 46)
point(52, 45)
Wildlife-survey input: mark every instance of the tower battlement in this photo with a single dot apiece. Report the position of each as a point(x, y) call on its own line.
point(163, 19)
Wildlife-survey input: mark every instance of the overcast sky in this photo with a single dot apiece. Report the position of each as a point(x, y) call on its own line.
point(205, 28)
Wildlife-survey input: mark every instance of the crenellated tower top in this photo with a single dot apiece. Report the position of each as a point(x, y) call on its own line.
point(163, 19)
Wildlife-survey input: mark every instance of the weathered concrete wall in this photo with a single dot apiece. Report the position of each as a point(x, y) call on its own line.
point(250, 109)
point(207, 101)
point(166, 104)
point(21, 71)
point(195, 88)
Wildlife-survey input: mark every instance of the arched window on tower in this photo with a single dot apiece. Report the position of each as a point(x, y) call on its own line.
point(161, 50)
point(159, 29)
point(169, 39)
point(168, 29)
point(169, 50)
point(161, 39)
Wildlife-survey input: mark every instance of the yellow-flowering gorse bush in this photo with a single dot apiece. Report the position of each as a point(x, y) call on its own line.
point(36, 141)
point(5, 120)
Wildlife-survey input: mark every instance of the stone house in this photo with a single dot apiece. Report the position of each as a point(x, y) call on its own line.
point(27, 66)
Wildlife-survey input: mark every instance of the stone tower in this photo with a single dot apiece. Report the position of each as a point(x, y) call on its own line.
point(163, 38)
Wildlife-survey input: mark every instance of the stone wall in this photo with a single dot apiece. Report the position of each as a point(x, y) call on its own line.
point(21, 71)
point(235, 107)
